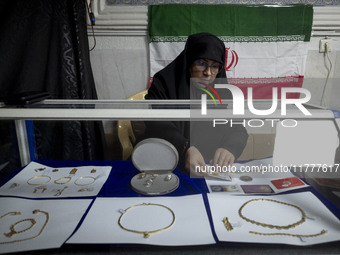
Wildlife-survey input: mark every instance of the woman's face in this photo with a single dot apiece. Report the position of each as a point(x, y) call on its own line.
point(204, 71)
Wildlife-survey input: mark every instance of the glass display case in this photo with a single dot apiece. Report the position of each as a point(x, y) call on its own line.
point(290, 160)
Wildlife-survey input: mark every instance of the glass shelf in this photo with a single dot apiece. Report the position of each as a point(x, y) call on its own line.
point(148, 110)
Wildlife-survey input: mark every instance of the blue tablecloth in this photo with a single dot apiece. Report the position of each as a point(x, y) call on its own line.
point(118, 182)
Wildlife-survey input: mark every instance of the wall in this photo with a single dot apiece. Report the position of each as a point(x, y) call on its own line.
point(317, 70)
point(120, 66)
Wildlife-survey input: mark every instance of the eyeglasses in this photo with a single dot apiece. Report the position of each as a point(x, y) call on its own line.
point(202, 65)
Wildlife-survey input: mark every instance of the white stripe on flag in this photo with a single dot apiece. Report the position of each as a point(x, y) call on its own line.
point(255, 60)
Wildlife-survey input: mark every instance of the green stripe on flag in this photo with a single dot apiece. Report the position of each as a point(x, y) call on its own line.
point(240, 23)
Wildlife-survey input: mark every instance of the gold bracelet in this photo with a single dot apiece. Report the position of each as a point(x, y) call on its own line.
point(16, 232)
point(265, 225)
point(288, 234)
point(38, 176)
point(146, 233)
point(84, 177)
point(62, 183)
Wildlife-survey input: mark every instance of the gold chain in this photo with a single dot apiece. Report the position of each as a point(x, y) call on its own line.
point(17, 232)
point(10, 213)
point(146, 233)
point(293, 225)
point(14, 232)
point(288, 234)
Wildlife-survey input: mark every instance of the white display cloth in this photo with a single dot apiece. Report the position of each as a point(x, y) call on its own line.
point(191, 226)
point(40, 181)
point(276, 214)
point(49, 227)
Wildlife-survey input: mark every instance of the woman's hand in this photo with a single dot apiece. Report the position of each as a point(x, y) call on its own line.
point(194, 160)
point(222, 157)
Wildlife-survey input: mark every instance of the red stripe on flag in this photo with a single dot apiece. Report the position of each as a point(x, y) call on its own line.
point(263, 87)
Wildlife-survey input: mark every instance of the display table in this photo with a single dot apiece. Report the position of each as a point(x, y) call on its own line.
point(117, 186)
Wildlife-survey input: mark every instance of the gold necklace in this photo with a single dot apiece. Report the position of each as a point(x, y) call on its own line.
point(288, 234)
point(293, 225)
point(36, 177)
point(13, 231)
point(146, 233)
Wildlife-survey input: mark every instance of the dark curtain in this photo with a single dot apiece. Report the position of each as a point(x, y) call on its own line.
point(44, 47)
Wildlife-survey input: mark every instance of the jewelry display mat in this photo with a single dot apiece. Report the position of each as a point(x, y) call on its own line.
point(273, 213)
point(41, 181)
point(191, 225)
point(243, 182)
point(27, 224)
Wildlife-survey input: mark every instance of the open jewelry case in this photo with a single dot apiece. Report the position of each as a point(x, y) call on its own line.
point(156, 159)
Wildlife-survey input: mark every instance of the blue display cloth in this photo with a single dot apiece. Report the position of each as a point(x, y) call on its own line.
point(118, 182)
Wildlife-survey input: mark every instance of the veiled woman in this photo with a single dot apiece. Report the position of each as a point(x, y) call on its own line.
point(202, 60)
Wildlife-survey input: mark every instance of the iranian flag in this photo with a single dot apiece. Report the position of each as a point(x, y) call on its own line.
point(266, 46)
